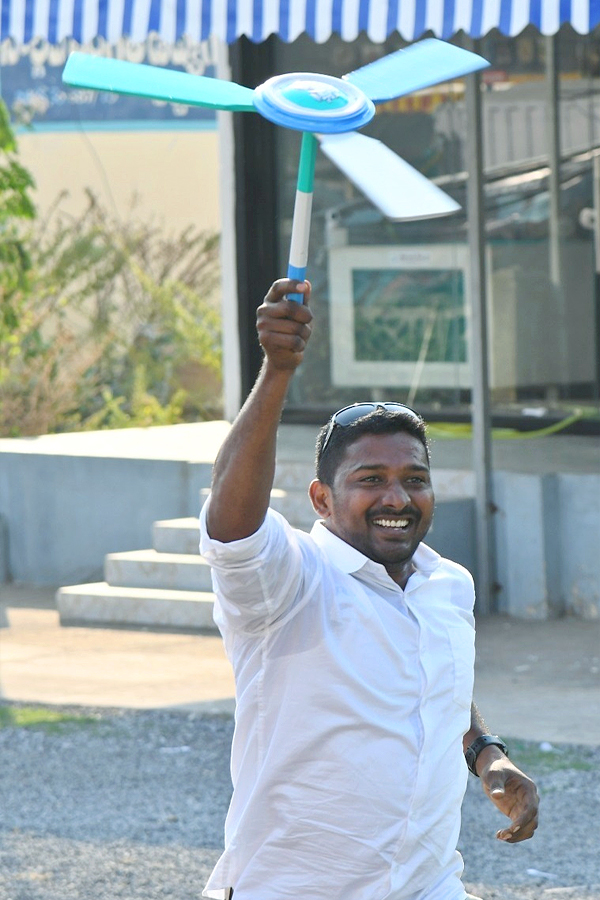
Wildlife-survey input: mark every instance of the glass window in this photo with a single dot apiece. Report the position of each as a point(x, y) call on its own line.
point(391, 299)
point(538, 234)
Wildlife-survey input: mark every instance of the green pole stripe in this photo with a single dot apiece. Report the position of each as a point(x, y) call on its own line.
point(306, 166)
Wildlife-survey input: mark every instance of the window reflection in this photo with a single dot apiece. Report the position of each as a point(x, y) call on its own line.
point(543, 336)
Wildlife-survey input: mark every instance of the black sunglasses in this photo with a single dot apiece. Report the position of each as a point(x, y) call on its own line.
point(350, 414)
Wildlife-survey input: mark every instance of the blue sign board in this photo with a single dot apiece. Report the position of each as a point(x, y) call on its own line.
point(32, 89)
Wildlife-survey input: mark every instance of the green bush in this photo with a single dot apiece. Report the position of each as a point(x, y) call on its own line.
point(104, 324)
point(16, 212)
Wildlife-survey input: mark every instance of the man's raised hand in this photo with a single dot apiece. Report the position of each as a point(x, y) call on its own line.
point(283, 325)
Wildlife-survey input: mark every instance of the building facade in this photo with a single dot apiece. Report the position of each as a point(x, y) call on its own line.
point(394, 301)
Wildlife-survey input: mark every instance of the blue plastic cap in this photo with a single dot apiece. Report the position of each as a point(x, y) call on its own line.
point(309, 102)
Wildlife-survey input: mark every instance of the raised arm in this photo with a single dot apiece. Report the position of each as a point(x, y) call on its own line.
point(245, 466)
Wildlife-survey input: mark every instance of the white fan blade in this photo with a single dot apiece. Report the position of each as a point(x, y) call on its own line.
point(390, 183)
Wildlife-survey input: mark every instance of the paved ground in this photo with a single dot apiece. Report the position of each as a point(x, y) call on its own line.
point(166, 776)
point(40, 661)
point(538, 681)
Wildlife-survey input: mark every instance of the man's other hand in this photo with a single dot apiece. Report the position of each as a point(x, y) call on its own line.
point(515, 795)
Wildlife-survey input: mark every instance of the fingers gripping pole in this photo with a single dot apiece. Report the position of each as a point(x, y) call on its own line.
point(302, 211)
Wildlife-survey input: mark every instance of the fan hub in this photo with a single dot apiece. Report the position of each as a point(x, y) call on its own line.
point(309, 102)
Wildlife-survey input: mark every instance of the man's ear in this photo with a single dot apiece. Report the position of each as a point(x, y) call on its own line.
point(320, 497)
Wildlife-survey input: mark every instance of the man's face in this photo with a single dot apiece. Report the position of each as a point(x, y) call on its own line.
point(381, 500)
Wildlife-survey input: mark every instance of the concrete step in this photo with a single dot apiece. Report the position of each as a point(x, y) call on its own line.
point(183, 536)
point(170, 586)
point(176, 536)
point(164, 571)
point(102, 604)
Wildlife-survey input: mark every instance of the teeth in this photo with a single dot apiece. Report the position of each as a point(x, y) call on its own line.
point(392, 523)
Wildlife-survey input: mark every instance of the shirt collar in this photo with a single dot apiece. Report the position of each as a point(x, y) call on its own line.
point(349, 560)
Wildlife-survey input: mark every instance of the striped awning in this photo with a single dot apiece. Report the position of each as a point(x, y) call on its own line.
point(83, 20)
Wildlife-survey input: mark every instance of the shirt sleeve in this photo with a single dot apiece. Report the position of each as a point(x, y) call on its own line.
point(258, 579)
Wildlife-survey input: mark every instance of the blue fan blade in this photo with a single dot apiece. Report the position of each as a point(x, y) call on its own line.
point(104, 74)
point(418, 66)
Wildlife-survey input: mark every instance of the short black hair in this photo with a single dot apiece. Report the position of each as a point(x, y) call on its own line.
point(378, 421)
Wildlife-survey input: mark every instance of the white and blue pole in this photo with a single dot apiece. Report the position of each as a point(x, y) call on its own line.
point(302, 212)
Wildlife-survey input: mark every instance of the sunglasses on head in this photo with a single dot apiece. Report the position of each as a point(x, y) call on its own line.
point(350, 414)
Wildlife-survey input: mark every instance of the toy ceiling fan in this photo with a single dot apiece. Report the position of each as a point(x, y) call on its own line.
point(325, 109)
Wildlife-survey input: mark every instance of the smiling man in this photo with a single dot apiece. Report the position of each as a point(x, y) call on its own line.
point(353, 653)
point(374, 486)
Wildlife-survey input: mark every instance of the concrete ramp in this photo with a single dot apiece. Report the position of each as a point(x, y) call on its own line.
point(169, 586)
point(71, 504)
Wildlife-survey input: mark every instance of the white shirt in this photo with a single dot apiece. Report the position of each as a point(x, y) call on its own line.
point(353, 697)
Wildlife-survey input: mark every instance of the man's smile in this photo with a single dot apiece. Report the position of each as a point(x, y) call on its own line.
point(400, 523)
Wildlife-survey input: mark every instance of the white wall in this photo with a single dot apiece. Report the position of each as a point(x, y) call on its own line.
point(172, 176)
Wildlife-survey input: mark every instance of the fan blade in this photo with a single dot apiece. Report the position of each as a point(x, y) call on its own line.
point(104, 74)
point(418, 66)
point(392, 185)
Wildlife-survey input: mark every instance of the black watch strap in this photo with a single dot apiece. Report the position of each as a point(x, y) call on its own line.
point(485, 740)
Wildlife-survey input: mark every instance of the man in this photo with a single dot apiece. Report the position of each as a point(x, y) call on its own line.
point(353, 651)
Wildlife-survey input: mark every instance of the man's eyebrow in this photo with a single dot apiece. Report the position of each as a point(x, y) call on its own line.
point(375, 467)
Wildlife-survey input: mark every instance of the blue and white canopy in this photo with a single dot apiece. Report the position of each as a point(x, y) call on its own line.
point(84, 20)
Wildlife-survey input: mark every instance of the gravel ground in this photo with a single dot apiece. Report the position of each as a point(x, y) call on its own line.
point(120, 804)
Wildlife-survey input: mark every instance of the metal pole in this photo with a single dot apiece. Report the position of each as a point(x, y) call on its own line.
point(480, 394)
point(553, 143)
point(559, 300)
point(596, 194)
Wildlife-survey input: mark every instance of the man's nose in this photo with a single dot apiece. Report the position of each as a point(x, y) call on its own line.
point(396, 495)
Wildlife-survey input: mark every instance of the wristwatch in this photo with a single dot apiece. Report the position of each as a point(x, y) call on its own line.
point(473, 751)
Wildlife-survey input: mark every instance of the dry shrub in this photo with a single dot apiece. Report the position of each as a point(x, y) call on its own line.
point(108, 322)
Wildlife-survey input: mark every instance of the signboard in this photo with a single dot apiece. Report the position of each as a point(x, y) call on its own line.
point(32, 89)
